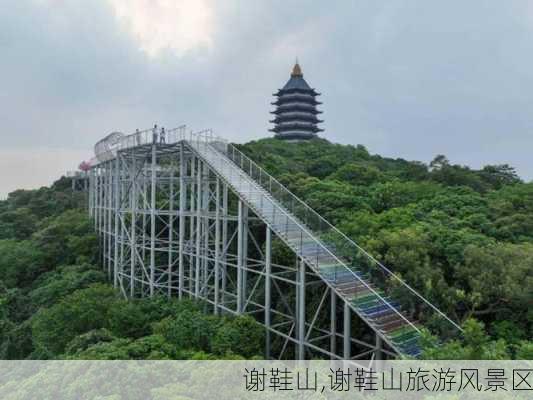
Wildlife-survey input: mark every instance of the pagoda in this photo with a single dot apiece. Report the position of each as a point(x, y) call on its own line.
point(296, 113)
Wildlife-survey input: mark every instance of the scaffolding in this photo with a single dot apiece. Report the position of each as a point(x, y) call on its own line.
point(195, 218)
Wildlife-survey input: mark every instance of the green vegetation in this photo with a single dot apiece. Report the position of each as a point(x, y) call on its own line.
point(461, 237)
point(55, 303)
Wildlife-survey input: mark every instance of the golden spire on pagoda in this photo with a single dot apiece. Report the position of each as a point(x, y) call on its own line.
point(296, 70)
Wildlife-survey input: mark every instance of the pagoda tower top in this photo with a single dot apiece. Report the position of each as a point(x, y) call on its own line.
point(297, 70)
point(296, 113)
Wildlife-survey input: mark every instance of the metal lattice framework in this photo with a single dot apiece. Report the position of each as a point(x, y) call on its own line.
point(80, 180)
point(193, 217)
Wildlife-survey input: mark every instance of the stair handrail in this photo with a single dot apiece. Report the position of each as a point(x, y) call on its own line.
point(138, 138)
point(336, 230)
point(305, 229)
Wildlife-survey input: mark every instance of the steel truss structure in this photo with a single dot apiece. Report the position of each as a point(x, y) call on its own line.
point(80, 180)
point(179, 218)
point(168, 225)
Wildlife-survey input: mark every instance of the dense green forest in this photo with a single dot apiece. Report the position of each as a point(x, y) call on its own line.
point(56, 303)
point(462, 237)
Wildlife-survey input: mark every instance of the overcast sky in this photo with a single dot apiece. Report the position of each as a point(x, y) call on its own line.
point(408, 79)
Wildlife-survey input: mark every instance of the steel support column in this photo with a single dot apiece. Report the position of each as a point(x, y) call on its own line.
point(300, 312)
point(117, 221)
point(133, 230)
point(268, 294)
point(378, 354)
point(191, 227)
point(240, 252)
point(170, 232)
point(347, 332)
point(153, 185)
point(333, 323)
point(181, 232)
point(217, 246)
point(199, 205)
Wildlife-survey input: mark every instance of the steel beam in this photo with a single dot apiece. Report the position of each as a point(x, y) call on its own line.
point(170, 232)
point(181, 232)
point(301, 310)
point(217, 246)
point(268, 290)
point(133, 228)
point(117, 221)
point(153, 183)
point(199, 205)
point(333, 322)
point(347, 332)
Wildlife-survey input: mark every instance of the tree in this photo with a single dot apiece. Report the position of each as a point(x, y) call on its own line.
point(475, 345)
point(439, 162)
point(187, 330)
point(499, 280)
point(357, 174)
point(127, 319)
point(499, 175)
point(84, 310)
point(20, 262)
point(240, 335)
point(67, 239)
point(52, 286)
point(511, 210)
point(333, 199)
point(525, 351)
point(395, 193)
point(82, 342)
point(17, 224)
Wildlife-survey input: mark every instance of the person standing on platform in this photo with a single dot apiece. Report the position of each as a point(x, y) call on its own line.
point(154, 134)
point(137, 137)
point(162, 138)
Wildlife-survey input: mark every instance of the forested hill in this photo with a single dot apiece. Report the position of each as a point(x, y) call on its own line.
point(462, 237)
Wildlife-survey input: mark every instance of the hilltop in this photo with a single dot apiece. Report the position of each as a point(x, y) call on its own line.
point(462, 237)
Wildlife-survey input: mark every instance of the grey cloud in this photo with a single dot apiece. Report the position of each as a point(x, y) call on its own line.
point(407, 79)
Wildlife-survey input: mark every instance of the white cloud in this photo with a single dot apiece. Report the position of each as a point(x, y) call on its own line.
point(157, 25)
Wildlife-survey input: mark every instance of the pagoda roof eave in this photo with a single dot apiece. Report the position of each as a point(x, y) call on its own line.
point(297, 128)
point(281, 92)
point(306, 119)
point(302, 110)
point(281, 101)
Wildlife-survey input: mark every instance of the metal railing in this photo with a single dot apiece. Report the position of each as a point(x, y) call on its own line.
point(140, 138)
point(77, 174)
point(413, 304)
point(237, 177)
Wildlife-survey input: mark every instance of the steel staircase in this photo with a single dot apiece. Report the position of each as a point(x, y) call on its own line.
point(393, 309)
point(323, 250)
